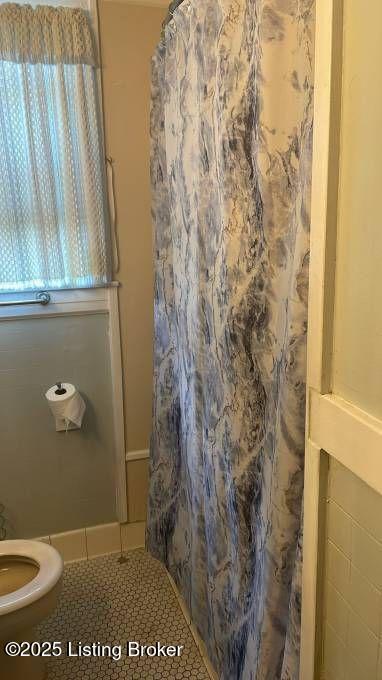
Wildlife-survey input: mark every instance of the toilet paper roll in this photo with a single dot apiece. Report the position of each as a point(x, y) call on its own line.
point(68, 408)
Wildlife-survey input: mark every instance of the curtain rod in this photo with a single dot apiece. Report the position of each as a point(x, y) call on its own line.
point(42, 298)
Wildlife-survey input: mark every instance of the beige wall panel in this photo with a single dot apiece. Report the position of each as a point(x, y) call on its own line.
point(137, 489)
point(129, 35)
point(357, 367)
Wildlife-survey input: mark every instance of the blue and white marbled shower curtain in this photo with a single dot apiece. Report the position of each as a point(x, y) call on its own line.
point(231, 168)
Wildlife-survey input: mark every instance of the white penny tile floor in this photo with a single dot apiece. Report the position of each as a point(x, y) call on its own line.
point(111, 603)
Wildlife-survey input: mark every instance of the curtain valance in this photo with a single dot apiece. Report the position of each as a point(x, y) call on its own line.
point(45, 34)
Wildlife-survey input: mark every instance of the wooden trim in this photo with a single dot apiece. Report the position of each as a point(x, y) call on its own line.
point(349, 434)
point(309, 572)
point(316, 475)
point(118, 408)
point(325, 179)
point(79, 301)
point(137, 455)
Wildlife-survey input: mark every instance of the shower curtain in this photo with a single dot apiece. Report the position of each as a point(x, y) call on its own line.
point(231, 166)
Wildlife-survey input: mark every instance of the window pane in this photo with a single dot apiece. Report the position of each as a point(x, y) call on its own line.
point(53, 214)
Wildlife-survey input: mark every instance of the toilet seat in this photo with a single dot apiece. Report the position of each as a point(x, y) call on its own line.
point(50, 571)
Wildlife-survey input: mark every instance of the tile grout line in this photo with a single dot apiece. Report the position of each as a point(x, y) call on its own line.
point(353, 519)
point(357, 569)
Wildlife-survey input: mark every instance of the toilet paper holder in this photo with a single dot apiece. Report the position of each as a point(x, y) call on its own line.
point(66, 405)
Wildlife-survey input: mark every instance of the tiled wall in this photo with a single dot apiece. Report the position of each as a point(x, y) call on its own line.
point(352, 631)
point(105, 539)
point(52, 482)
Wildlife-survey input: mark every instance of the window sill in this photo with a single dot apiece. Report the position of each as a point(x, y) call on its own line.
point(78, 301)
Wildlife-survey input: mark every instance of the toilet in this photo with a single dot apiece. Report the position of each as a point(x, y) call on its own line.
point(30, 583)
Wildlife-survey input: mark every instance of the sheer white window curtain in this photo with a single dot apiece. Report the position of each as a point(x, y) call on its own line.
point(53, 210)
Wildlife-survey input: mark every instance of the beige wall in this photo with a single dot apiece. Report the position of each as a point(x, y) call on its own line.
point(129, 35)
point(358, 319)
point(353, 579)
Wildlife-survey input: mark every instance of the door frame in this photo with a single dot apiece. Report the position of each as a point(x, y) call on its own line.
point(334, 427)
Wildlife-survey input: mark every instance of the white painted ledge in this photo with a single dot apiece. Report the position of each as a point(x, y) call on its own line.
point(77, 301)
point(144, 454)
point(348, 434)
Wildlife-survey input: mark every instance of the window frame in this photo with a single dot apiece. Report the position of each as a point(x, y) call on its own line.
point(90, 6)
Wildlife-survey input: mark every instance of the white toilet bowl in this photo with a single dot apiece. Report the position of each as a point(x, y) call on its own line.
point(30, 582)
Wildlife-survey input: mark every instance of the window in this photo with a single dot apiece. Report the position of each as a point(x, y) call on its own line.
point(53, 210)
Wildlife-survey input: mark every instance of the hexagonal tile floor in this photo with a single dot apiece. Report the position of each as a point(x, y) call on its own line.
point(111, 603)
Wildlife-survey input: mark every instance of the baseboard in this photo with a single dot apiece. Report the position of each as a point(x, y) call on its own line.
point(104, 539)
